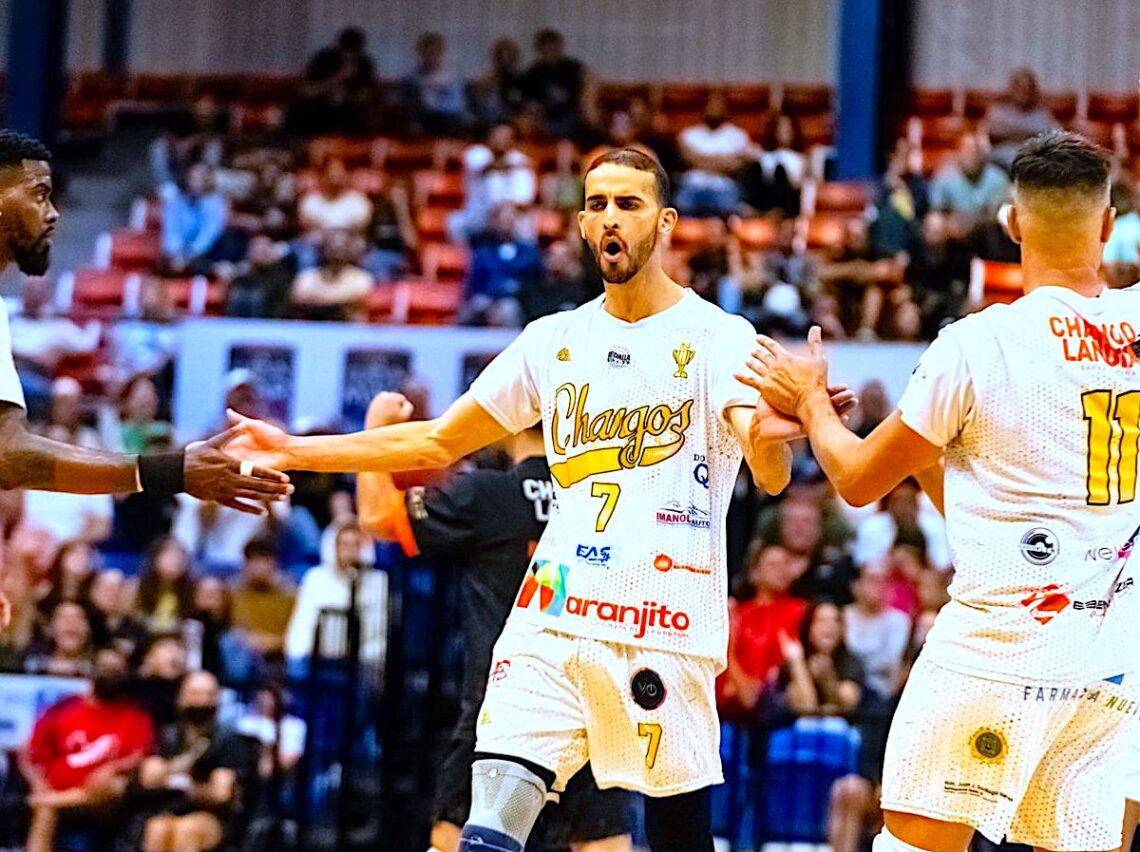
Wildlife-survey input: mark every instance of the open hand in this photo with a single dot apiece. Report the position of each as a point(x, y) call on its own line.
point(768, 424)
point(212, 471)
point(257, 441)
point(785, 379)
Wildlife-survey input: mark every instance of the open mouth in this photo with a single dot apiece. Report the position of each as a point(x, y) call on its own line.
point(611, 248)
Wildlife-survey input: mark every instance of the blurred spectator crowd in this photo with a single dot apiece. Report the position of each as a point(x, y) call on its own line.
point(434, 199)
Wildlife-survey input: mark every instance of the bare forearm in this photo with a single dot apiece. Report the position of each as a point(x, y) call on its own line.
point(932, 482)
point(771, 466)
point(402, 446)
point(32, 461)
point(835, 446)
point(378, 500)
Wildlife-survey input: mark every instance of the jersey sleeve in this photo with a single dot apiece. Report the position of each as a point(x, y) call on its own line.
point(10, 388)
point(508, 386)
point(443, 519)
point(725, 392)
point(939, 398)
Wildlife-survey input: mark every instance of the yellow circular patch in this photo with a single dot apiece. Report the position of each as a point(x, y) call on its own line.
point(988, 745)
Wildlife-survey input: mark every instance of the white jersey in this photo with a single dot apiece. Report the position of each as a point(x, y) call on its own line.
point(643, 463)
point(10, 388)
point(1038, 407)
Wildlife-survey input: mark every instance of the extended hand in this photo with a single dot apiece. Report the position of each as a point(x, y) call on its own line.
point(768, 424)
point(257, 441)
point(784, 379)
point(386, 408)
point(211, 474)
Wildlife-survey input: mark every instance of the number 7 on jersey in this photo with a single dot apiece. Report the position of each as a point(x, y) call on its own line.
point(609, 491)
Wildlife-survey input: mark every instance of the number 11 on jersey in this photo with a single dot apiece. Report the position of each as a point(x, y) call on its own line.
point(1114, 437)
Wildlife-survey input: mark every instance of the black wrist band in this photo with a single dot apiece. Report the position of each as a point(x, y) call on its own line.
point(162, 472)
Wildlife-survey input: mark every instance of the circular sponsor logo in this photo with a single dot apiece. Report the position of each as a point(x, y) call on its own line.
point(1040, 546)
point(648, 690)
point(988, 745)
point(618, 356)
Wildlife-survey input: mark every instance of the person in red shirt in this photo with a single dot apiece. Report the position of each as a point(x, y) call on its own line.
point(760, 626)
point(82, 749)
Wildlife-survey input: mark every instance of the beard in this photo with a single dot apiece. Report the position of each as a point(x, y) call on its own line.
point(636, 257)
point(33, 259)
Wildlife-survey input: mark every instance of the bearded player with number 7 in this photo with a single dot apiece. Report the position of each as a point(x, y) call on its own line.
point(1015, 720)
point(620, 626)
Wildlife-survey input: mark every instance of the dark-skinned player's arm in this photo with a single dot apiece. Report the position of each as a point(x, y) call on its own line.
point(862, 470)
point(380, 504)
point(203, 470)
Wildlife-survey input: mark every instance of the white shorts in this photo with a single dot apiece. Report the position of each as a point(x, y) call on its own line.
point(559, 700)
point(1040, 765)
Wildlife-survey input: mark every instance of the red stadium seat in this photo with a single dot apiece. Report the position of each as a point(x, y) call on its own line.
point(803, 100)
point(195, 296)
point(692, 234)
point(614, 96)
point(355, 152)
point(129, 250)
point(543, 155)
point(931, 103)
point(431, 224)
point(849, 198)
point(817, 129)
point(400, 157)
point(247, 116)
point(1063, 105)
point(684, 97)
point(438, 189)
point(444, 262)
point(225, 88)
point(433, 303)
point(1112, 107)
point(378, 304)
point(945, 131)
point(159, 89)
point(978, 101)
point(273, 89)
point(1099, 132)
point(758, 234)
point(747, 99)
point(90, 369)
point(826, 231)
point(89, 291)
point(992, 282)
point(675, 122)
point(935, 158)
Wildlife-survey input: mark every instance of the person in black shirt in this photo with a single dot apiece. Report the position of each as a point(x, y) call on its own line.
point(556, 82)
point(492, 520)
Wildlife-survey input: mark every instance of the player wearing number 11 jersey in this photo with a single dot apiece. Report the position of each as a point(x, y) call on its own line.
point(1018, 712)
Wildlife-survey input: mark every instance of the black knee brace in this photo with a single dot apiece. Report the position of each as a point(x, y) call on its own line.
point(680, 823)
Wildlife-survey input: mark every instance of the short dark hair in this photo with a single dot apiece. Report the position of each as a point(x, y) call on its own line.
point(548, 36)
point(634, 159)
point(16, 147)
point(260, 548)
point(1061, 160)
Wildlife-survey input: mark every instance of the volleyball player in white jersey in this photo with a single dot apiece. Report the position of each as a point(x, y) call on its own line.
point(1020, 708)
point(620, 626)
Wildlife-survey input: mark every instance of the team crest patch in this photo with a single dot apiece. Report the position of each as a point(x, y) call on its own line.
point(988, 745)
point(563, 354)
point(648, 690)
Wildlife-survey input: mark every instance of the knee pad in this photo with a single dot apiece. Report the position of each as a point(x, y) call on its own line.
point(506, 799)
point(681, 823)
point(887, 842)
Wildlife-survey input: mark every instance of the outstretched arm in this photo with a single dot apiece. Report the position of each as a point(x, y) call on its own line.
point(465, 427)
point(204, 470)
point(861, 470)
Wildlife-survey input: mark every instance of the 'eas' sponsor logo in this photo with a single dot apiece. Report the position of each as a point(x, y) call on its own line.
point(1046, 603)
point(1040, 546)
point(673, 514)
point(664, 563)
point(598, 556)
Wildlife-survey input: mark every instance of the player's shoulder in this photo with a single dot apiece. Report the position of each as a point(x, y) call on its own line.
point(562, 320)
point(712, 316)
